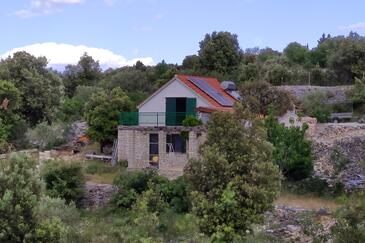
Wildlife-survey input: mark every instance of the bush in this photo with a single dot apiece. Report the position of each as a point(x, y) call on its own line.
point(191, 121)
point(258, 96)
point(49, 208)
point(175, 193)
point(292, 151)
point(350, 220)
point(315, 186)
point(130, 185)
point(51, 230)
point(65, 181)
point(45, 136)
point(19, 194)
point(314, 105)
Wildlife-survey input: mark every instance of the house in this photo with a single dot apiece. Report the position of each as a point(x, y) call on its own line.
point(155, 137)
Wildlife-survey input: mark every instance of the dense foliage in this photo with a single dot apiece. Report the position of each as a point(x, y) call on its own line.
point(235, 181)
point(20, 193)
point(315, 105)
point(350, 219)
point(133, 184)
point(102, 113)
point(64, 181)
point(258, 96)
point(292, 151)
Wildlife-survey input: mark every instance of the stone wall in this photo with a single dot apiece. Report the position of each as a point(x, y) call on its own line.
point(133, 146)
point(337, 93)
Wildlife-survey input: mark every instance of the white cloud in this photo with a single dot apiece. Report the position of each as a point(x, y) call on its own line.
point(44, 7)
point(63, 54)
point(356, 26)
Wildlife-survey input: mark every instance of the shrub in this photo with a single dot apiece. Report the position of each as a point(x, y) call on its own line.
point(191, 121)
point(314, 105)
point(350, 219)
point(175, 193)
point(130, 185)
point(19, 194)
point(49, 208)
point(258, 96)
point(51, 230)
point(45, 136)
point(64, 181)
point(292, 151)
point(235, 181)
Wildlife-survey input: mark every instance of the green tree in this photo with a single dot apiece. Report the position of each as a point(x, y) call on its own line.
point(40, 88)
point(9, 96)
point(296, 53)
point(292, 151)
point(220, 51)
point(235, 181)
point(101, 114)
point(19, 195)
point(86, 72)
point(278, 74)
point(191, 62)
point(260, 95)
point(248, 72)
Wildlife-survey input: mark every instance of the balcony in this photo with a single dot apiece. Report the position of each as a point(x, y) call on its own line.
point(157, 119)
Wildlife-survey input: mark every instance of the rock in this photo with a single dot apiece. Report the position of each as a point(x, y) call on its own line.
point(97, 195)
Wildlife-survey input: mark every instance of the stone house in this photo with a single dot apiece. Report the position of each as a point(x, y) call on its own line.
point(154, 137)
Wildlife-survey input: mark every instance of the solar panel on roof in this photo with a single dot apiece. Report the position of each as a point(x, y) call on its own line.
point(206, 88)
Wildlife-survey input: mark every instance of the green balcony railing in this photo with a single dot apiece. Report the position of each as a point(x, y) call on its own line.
point(153, 118)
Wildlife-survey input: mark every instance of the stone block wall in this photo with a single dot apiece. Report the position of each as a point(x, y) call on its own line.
point(133, 146)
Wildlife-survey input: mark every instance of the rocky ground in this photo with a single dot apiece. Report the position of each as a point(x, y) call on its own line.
point(339, 149)
point(97, 195)
point(294, 224)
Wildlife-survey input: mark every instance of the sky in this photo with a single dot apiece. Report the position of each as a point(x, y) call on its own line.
point(120, 32)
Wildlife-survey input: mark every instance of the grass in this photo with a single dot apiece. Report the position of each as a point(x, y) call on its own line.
point(306, 201)
point(100, 172)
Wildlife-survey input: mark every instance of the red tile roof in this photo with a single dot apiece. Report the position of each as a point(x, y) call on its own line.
point(215, 84)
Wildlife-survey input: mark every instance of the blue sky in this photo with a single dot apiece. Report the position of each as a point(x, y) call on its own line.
point(122, 31)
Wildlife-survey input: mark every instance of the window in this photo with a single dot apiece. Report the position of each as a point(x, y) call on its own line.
point(175, 143)
point(153, 146)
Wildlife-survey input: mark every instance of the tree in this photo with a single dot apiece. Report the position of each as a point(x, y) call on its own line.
point(220, 51)
point(86, 72)
point(101, 114)
point(292, 151)
point(260, 95)
point(235, 181)
point(278, 74)
point(39, 87)
point(9, 101)
point(296, 53)
point(248, 72)
point(19, 193)
point(191, 62)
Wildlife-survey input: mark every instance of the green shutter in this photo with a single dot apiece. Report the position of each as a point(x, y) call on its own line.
point(170, 111)
point(191, 106)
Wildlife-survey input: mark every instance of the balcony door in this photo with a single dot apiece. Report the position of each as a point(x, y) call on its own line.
point(178, 108)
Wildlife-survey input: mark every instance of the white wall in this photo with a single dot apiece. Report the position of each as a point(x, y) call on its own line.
point(176, 89)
